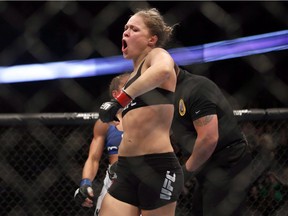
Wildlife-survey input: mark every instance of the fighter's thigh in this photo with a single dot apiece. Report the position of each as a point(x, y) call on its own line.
point(111, 206)
point(167, 210)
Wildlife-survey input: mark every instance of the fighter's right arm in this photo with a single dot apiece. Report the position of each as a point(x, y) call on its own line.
point(84, 194)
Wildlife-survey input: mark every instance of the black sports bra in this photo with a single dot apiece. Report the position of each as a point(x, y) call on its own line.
point(153, 97)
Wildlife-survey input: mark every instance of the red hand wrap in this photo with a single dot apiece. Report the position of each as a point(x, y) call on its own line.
point(123, 98)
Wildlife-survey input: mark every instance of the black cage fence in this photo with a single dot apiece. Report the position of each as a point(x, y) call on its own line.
point(42, 156)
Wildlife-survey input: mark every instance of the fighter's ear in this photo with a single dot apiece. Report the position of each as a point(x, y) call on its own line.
point(152, 40)
point(114, 93)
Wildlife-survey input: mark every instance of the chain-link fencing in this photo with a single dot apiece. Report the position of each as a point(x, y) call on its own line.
point(42, 156)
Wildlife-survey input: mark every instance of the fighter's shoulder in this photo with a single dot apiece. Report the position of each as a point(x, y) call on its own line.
point(100, 127)
point(158, 50)
point(158, 53)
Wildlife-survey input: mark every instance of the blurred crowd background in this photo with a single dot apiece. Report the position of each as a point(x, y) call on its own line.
point(53, 31)
point(41, 163)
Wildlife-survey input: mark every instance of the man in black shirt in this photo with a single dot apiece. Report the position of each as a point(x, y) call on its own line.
point(206, 132)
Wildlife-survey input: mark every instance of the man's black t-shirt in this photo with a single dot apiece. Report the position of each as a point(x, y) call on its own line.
point(197, 96)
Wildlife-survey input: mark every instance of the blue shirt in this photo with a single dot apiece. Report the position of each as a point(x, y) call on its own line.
point(113, 139)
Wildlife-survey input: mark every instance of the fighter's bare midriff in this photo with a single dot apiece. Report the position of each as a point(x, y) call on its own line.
point(140, 138)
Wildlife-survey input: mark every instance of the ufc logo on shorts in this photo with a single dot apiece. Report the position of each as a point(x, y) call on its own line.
point(167, 189)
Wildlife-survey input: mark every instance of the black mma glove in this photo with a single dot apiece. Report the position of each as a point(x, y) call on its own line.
point(187, 175)
point(112, 170)
point(108, 110)
point(83, 191)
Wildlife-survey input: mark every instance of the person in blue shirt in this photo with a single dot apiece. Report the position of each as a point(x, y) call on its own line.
point(105, 136)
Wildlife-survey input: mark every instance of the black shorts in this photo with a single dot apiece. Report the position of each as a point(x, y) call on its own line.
point(148, 181)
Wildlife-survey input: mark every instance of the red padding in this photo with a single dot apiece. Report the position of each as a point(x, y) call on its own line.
point(123, 98)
